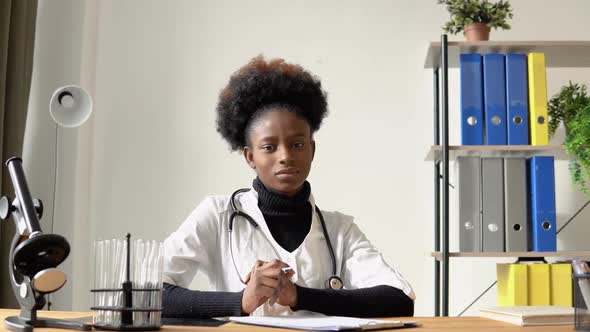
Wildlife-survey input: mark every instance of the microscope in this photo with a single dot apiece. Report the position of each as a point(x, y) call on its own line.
point(34, 257)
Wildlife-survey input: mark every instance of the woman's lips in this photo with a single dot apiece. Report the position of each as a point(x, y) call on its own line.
point(287, 172)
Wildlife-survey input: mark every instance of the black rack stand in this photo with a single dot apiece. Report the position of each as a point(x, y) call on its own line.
point(127, 309)
point(441, 94)
point(581, 309)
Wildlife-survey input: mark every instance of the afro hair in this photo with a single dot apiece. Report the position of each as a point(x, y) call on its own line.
point(260, 84)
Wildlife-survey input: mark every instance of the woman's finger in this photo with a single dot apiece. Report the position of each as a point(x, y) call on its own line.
point(275, 263)
point(257, 265)
point(268, 282)
point(273, 299)
point(271, 272)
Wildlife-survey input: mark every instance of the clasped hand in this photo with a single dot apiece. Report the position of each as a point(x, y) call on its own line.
point(268, 282)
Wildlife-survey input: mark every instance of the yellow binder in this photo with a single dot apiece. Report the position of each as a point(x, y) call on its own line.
point(539, 130)
point(539, 284)
point(561, 285)
point(512, 284)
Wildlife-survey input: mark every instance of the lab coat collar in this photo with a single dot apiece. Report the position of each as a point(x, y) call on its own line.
point(249, 202)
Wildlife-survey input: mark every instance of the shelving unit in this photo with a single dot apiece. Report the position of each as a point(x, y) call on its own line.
point(558, 54)
point(527, 254)
point(440, 57)
point(511, 151)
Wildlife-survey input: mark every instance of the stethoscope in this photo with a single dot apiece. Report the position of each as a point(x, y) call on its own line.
point(333, 282)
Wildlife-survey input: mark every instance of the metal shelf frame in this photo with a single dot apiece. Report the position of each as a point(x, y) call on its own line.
point(441, 114)
point(520, 255)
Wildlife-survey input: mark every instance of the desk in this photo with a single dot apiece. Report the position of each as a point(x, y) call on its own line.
point(429, 324)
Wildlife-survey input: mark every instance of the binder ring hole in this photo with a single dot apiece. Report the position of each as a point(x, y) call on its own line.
point(516, 227)
point(517, 120)
point(546, 225)
point(541, 120)
point(493, 227)
point(496, 120)
point(469, 225)
point(472, 121)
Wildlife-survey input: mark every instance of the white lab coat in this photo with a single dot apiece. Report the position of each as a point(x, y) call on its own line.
point(201, 244)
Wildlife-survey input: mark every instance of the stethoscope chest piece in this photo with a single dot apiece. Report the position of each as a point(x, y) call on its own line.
point(334, 283)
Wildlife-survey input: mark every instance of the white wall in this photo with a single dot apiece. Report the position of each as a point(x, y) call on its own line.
point(153, 152)
point(64, 55)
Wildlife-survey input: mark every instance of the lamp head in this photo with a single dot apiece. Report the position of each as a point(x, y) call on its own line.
point(70, 106)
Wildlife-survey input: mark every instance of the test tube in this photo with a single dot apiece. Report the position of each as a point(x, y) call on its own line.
point(97, 279)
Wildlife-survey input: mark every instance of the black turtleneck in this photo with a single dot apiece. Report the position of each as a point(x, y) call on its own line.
point(289, 221)
point(288, 217)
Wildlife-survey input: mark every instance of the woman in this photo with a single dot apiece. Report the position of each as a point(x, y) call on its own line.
point(270, 250)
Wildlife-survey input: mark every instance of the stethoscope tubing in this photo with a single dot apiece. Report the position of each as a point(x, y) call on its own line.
point(328, 242)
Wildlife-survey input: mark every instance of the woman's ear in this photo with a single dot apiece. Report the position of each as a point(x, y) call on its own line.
point(249, 157)
point(312, 149)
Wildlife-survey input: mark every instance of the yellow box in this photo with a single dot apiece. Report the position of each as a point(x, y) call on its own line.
point(539, 284)
point(561, 285)
point(512, 284)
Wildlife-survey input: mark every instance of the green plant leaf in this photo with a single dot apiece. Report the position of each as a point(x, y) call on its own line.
point(570, 100)
point(577, 140)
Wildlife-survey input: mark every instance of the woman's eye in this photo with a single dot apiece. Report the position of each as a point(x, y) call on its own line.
point(268, 148)
point(298, 145)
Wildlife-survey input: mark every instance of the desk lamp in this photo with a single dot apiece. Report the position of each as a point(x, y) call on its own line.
point(34, 256)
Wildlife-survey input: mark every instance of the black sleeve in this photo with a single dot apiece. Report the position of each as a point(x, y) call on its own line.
point(179, 302)
point(378, 301)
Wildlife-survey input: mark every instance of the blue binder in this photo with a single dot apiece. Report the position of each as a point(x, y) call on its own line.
point(471, 80)
point(517, 103)
point(494, 90)
point(542, 204)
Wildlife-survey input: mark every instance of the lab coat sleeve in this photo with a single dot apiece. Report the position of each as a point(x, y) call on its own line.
point(364, 266)
point(192, 247)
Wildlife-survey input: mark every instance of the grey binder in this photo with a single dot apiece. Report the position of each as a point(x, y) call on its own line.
point(492, 170)
point(469, 190)
point(515, 200)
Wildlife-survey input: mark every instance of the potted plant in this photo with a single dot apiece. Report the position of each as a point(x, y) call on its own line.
point(476, 17)
point(571, 106)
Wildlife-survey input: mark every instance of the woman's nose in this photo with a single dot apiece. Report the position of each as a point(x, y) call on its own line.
point(286, 155)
